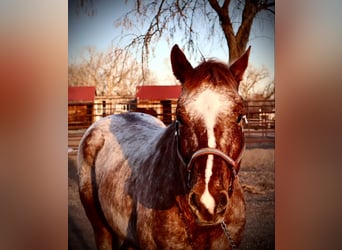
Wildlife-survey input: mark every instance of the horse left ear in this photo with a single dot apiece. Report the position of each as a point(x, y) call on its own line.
point(180, 65)
point(239, 66)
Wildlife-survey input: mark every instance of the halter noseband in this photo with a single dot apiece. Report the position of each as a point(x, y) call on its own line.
point(233, 164)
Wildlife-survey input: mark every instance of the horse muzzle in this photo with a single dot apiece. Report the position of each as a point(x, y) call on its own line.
point(209, 211)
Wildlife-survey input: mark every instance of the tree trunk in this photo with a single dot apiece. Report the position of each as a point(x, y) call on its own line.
point(236, 43)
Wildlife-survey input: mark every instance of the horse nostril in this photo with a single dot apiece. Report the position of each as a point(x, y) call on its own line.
point(222, 202)
point(192, 200)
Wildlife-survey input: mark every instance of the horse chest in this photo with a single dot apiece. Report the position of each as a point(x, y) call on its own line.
point(161, 230)
point(168, 230)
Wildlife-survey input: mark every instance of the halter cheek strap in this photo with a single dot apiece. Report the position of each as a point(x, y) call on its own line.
point(232, 164)
point(177, 134)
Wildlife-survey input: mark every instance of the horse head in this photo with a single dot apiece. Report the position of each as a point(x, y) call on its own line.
point(211, 140)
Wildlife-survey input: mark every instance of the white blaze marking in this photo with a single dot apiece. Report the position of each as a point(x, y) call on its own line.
point(206, 198)
point(207, 106)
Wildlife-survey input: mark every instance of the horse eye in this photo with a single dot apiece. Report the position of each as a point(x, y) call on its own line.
point(242, 117)
point(238, 120)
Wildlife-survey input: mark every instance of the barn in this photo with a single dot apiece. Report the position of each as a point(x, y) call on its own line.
point(80, 106)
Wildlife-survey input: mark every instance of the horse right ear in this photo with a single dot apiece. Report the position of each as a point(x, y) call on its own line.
point(239, 66)
point(180, 65)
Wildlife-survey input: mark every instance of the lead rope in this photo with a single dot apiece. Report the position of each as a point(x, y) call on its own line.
point(227, 234)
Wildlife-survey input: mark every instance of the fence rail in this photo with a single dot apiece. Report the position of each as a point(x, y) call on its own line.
point(261, 121)
point(260, 114)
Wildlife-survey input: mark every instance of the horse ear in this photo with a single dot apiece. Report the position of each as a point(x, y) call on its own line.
point(239, 66)
point(180, 65)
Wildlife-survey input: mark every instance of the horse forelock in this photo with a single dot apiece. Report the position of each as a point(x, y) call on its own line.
point(212, 72)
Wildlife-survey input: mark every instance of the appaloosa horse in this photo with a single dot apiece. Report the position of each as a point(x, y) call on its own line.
point(147, 186)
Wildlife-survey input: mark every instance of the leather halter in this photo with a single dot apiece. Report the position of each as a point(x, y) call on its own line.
point(231, 163)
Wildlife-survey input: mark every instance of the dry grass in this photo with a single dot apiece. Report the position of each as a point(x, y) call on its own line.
point(257, 178)
point(257, 170)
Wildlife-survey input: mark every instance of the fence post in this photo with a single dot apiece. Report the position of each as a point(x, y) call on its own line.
point(103, 108)
point(89, 113)
point(167, 113)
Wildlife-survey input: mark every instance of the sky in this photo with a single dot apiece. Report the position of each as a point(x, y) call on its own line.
point(100, 31)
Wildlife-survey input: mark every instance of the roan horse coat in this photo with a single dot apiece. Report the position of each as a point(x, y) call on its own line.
point(147, 186)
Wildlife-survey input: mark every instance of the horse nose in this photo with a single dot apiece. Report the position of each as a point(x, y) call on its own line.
point(220, 203)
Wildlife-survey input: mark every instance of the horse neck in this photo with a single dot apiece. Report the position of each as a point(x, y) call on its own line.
point(168, 146)
point(157, 183)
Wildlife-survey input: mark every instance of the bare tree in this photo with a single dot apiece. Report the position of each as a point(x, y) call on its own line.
point(165, 17)
point(87, 72)
point(257, 84)
point(113, 72)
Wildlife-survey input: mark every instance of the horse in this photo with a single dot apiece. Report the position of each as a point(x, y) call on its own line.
point(145, 185)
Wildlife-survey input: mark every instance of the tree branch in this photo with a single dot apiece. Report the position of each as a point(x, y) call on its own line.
point(214, 4)
point(226, 4)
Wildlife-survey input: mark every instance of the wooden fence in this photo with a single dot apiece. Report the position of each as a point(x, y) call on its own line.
point(260, 114)
point(261, 121)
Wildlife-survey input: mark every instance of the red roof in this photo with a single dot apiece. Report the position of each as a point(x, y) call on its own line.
point(83, 93)
point(158, 92)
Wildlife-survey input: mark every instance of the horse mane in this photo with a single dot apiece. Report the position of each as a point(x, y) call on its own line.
point(158, 180)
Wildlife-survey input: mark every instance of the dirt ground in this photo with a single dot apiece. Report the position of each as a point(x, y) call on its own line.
point(256, 176)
